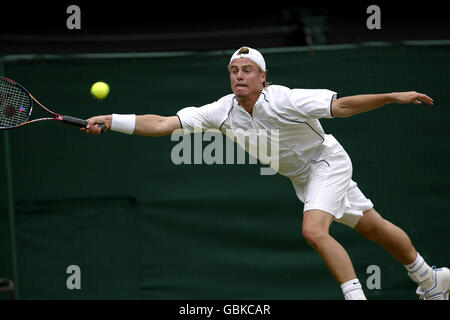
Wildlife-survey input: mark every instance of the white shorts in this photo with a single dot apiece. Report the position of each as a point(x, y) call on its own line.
point(329, 187)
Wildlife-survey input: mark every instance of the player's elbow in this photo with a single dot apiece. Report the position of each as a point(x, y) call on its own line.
point(158, 128)
point(166, 125)
point(340, 109)
point(151, 126)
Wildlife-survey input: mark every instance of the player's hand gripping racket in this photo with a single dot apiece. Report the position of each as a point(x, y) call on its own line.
point(16, 106)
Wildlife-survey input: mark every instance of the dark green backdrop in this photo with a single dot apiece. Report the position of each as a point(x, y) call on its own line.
point(139, 226)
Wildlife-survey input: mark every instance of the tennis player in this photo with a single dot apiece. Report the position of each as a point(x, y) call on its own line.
point(315, 162)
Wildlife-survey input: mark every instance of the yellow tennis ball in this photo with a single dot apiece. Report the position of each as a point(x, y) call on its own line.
point(100, 90)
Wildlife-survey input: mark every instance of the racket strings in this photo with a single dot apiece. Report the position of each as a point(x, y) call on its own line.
point(15, 105)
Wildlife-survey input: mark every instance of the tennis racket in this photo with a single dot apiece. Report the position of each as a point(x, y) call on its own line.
point(16, 106)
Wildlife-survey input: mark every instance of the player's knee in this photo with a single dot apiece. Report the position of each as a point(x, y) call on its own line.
point(371, 226)
point(314, 236)
point(315, 227)
point(374, 231)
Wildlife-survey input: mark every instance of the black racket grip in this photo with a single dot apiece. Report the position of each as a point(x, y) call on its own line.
point(79, 122)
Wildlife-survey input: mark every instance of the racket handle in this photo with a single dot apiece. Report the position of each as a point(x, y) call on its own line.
point(78, 122)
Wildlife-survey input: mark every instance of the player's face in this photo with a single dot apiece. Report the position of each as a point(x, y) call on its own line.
point(246, 77)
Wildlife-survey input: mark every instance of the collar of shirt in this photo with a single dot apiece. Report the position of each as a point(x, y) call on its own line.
point(256, 107)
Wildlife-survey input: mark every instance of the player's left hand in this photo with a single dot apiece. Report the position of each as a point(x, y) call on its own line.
point(413, 97)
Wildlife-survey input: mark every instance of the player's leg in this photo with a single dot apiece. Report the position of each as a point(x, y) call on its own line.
point(433, 283)
point(315, 229)
point(373, 227)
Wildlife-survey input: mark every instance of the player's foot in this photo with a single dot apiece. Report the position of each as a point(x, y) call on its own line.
point(440, 288)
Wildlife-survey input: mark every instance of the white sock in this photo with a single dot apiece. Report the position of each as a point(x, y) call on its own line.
point(421, 273)
point(352, 290)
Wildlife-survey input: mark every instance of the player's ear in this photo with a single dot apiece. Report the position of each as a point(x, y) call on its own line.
point(263, 77)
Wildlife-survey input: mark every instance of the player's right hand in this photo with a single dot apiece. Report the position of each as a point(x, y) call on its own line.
point(92, 126)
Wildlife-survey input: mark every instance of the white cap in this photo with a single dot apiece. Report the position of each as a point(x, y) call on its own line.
point(252, 54)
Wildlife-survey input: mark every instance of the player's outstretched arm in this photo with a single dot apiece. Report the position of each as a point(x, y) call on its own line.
point(156, 126)
point(145, 125)
point(349, 106)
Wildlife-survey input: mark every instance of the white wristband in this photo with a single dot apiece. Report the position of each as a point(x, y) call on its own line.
point(123, 123)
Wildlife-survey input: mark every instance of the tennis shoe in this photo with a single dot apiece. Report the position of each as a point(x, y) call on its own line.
point(440, 288)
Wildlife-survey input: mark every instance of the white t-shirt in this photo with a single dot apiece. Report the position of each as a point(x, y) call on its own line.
point(294, 112)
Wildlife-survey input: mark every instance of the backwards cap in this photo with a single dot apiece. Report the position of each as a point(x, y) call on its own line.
point(252, 54)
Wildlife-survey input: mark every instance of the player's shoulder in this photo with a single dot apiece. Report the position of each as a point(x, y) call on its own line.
point(219, 109)
point(276, 89)
point(222, 105)
point(219, 105)
point(283, 93)
point(226, 101)
point(278, 94)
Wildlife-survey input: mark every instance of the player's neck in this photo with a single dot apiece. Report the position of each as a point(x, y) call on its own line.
point(248, 102)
